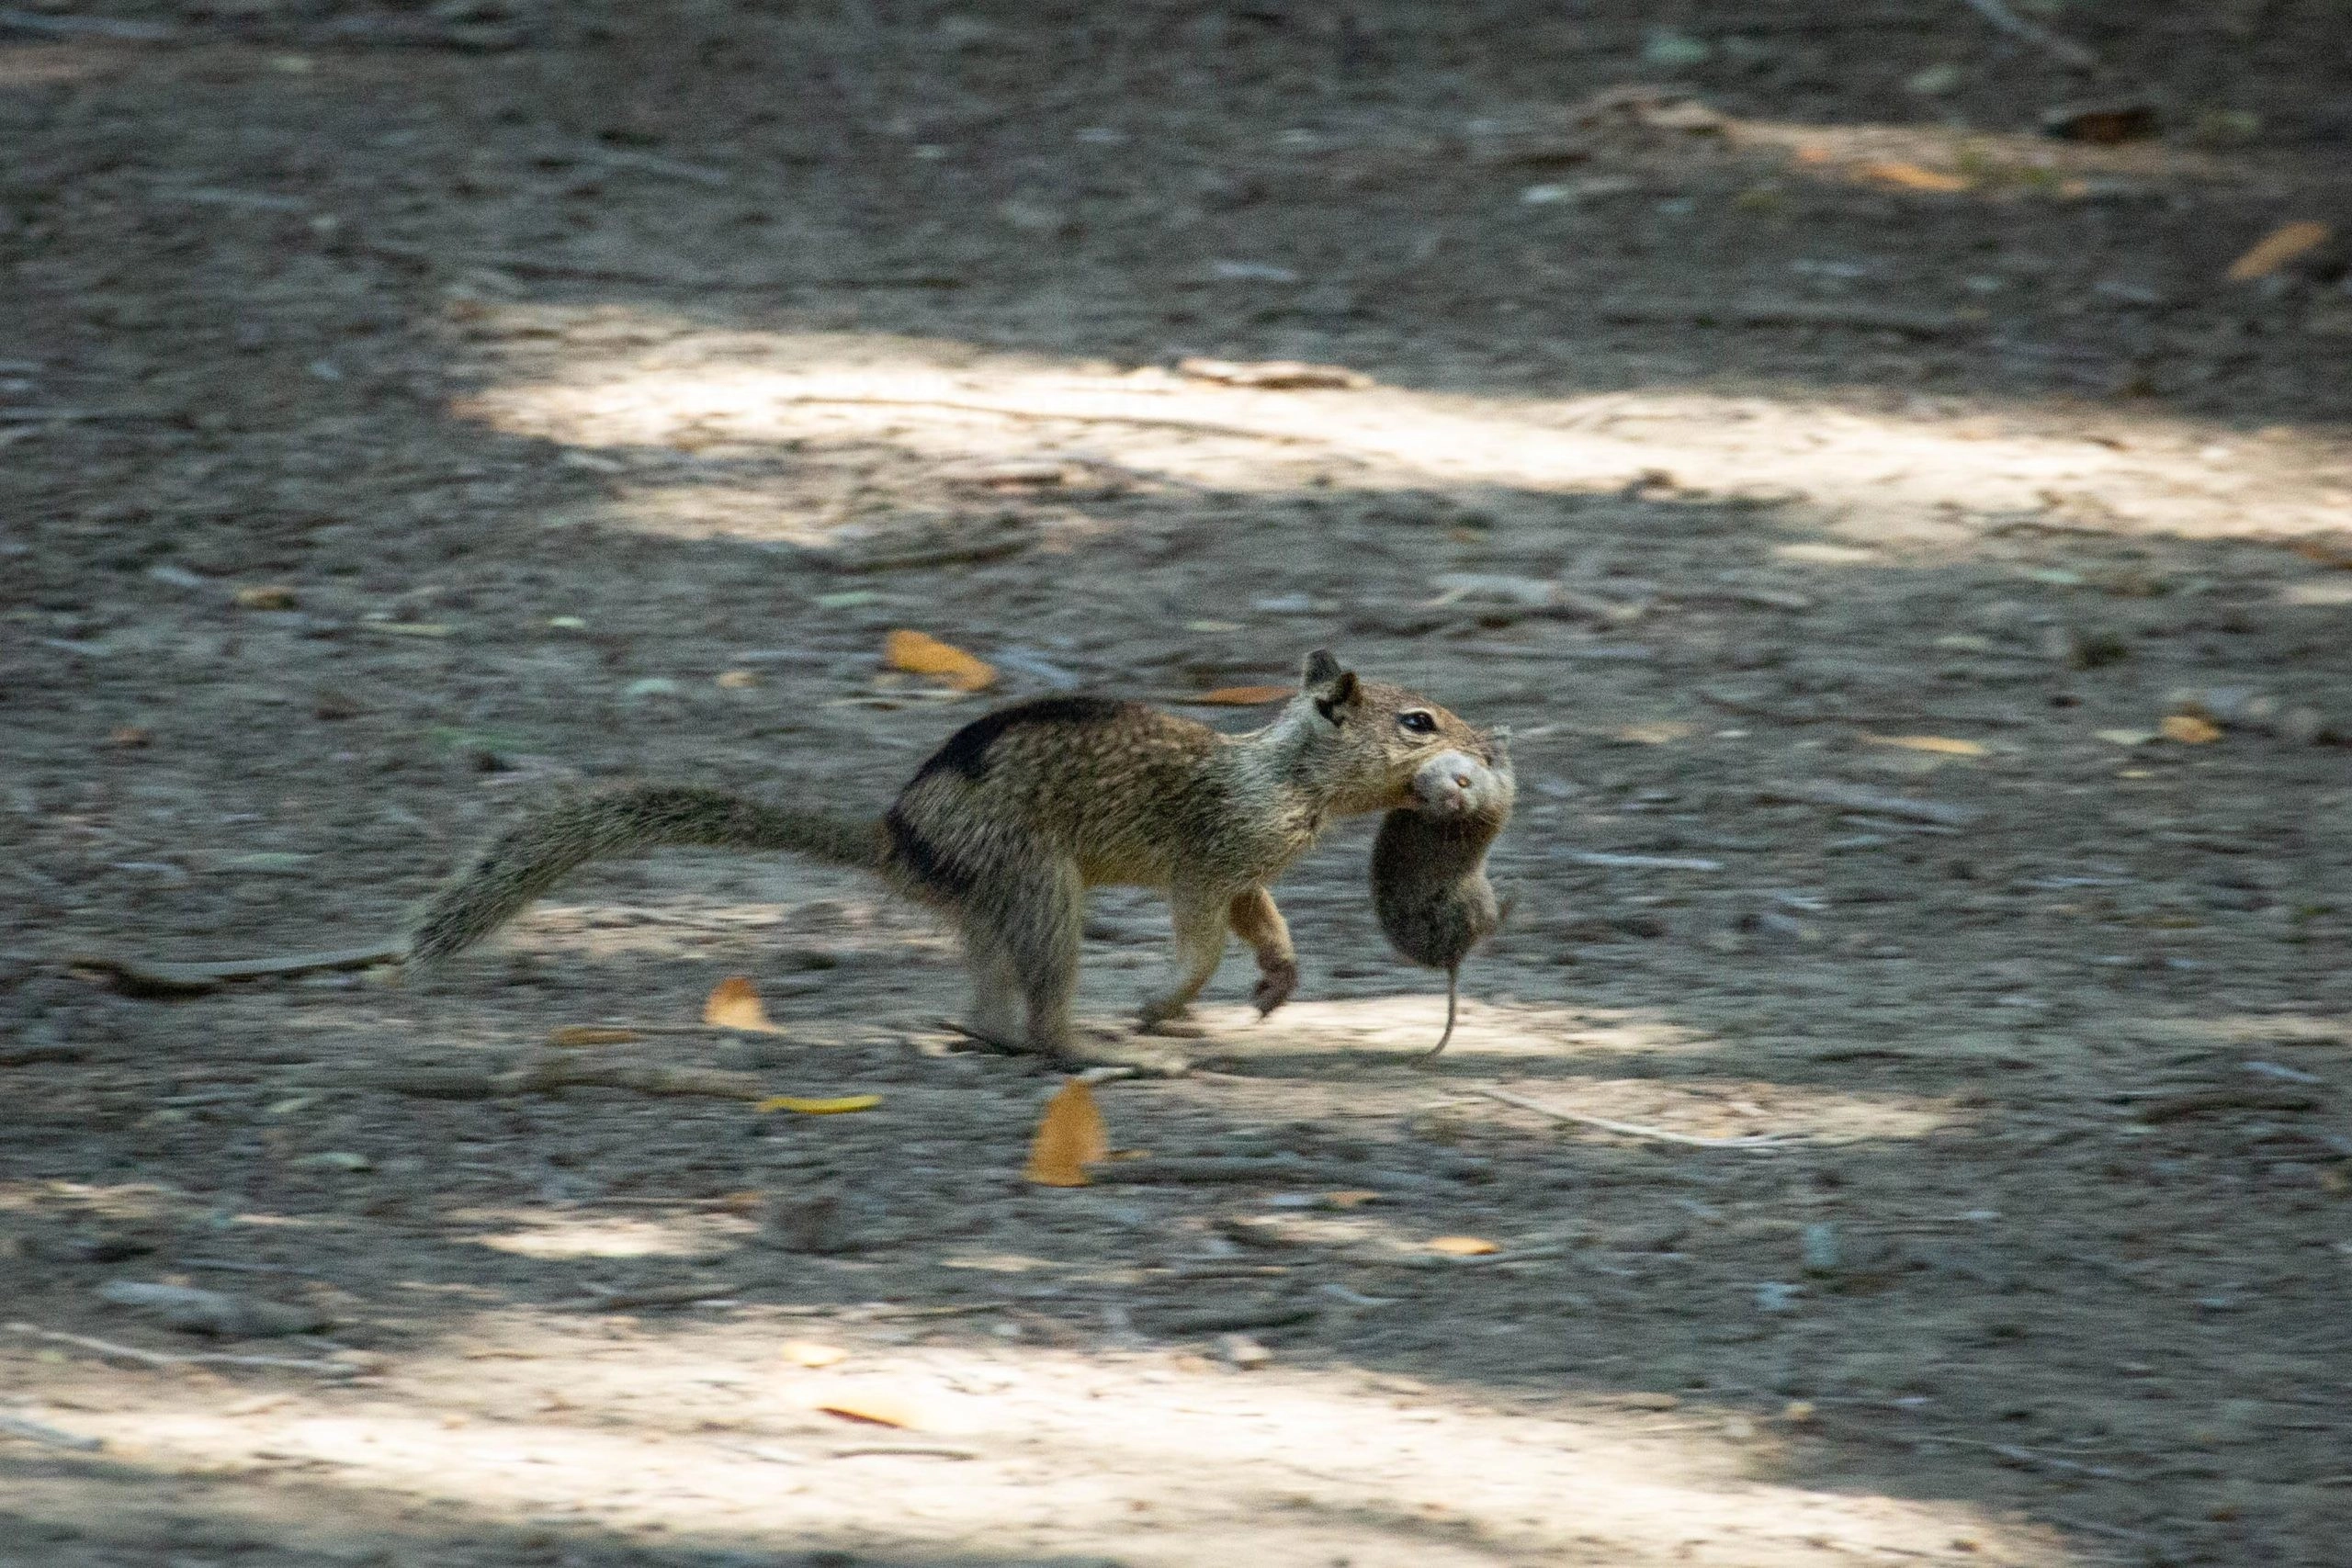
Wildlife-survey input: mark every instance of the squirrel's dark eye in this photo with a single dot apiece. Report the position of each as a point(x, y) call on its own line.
point(1416, 722)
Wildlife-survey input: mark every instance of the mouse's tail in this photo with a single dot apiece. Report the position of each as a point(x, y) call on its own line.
point(1453, 991)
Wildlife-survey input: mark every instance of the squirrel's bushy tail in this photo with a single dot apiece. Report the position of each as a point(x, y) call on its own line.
point(533, 855)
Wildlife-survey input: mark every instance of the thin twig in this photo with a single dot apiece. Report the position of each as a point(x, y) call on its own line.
point(2032, 1459)
point(1631, 1129)
point(1146, 421)
point(110, 28)
point(2174, 1107)
point(1998, 13)
point(911, 1450)
point(655, 1296)
point(169, 1358)
point(226, 1267)
point(1857, 797)
point(1786, 314)
point(1754, 709)
point(2093, 1527)
point(41, 1432)
point(540, 266)
point(141, 976)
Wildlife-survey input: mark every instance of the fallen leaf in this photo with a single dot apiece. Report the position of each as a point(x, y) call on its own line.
point(2190, 730)
point(875, 1408)
point(1271, 375)
point(1943, 745)
point(837, 1106)
point(265, 596)
point(919, 655)
point(1349, 1198)
point(1663, 732)
point(1463, 1246)
point(2277, 248)
point(737, 680)
point(1018, 474)
point(2126, 736)
point(1070, 1136)
point(735, 1004)
point(2103, 124)
point(590, 1034)
point(808, 1353)
point(1903, 176)
point(1242, 696)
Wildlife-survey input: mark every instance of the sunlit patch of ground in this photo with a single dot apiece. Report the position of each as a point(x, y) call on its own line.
point(708, 1435)
point(1546, 1053)
point(1927, 478)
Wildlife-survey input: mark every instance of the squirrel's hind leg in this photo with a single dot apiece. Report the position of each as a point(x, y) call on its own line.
point(995, 1013)
point(1023, 931)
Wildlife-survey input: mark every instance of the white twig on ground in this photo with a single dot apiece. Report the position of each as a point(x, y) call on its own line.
point(41, 1432)
point(172, 1359)
point(1077, 416)
point(1998, 13)
point(1630, 1129)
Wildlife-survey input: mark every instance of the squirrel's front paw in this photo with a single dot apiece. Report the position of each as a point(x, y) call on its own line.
point(1275, 983)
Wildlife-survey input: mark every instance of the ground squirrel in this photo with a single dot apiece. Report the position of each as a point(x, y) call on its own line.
point(1009, 823)
point(1428, 864)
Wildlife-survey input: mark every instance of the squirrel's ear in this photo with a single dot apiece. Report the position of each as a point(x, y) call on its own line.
point(1344, 697)
point(1321, 669)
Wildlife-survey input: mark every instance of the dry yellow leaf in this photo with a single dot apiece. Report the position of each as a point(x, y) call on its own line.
point(919, 655)
point(877, 1406)
point(1658, 732)
point(737, 680)
point(1463, 1246)
point(589, 1034)
point(1070, 1136)
point(265, 596)
point(834, 1107)
point(2277, 248)
point(1912, 176)
point(2189, 729)
point(1349, 1198)
point(1943, 745)
point(1243, 696)
point(808, 1353)
point(735, 1004)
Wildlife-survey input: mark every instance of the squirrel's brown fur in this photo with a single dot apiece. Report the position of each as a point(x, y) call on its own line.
point(1009, 822)
point(1429, 863)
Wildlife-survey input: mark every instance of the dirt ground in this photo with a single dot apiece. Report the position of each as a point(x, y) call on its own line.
point(407, 412)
